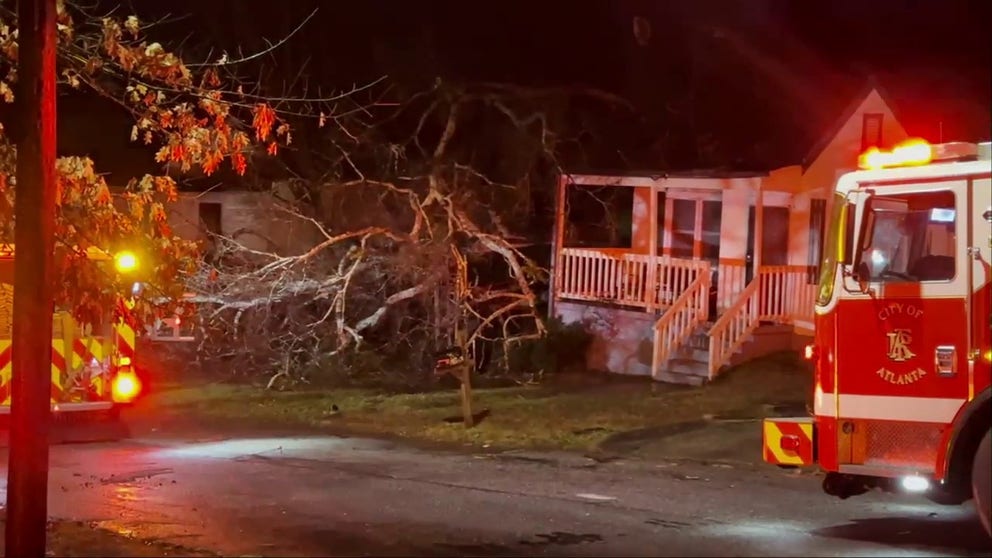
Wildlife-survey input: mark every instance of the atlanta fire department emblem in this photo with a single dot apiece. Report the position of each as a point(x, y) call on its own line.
point(899, 345)
point(899, 341)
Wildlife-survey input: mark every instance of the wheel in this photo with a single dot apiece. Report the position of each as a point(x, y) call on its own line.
point(981, 481)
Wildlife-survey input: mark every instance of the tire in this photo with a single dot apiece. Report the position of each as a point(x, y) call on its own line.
point(981, 481)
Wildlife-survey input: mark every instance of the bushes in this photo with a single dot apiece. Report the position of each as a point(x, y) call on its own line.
point(563, 348)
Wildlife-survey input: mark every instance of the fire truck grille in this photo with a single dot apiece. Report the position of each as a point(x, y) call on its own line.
point(906, 444)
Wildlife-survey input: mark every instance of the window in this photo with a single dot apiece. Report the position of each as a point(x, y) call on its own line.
point(871, 130)
point(710, 241)
point(817, 228)
point(661, 221)
point(683, 227)
point(909, 238)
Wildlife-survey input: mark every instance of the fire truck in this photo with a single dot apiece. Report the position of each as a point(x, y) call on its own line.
point(92, 365)
point(901, 346)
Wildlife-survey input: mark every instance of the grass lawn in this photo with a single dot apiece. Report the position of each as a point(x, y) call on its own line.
point(575, 413)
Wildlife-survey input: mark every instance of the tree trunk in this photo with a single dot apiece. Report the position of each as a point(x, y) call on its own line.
point(34, 233)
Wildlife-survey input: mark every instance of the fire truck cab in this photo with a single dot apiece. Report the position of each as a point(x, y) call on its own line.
point(901, 347)
point(92, 366)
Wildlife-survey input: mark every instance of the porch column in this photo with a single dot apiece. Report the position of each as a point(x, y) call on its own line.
point(652, 275)
point(759, 229)
point(557, 245)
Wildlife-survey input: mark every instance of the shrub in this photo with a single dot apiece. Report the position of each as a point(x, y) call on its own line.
point(564, 347)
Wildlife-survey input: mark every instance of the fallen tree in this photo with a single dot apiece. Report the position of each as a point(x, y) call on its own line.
point(433, 217)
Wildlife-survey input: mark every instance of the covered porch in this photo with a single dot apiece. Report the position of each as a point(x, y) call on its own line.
point(682, 249)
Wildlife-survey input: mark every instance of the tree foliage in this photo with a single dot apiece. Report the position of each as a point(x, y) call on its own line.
point(197, 120)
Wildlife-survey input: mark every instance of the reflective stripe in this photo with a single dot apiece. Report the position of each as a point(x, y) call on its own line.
point(885, 407)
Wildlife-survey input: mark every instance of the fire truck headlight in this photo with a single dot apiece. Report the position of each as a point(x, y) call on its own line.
point(915, 484)
point(125, 387)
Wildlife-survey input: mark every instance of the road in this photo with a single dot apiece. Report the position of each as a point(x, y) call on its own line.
point(279, 495)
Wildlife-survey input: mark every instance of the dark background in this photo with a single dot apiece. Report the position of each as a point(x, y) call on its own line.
point(745, 84)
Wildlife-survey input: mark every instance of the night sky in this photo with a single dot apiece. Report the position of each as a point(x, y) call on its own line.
point(764, 78)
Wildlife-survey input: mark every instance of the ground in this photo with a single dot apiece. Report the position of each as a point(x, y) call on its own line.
point(282, 494)
point(567, 469)
point(586, 413)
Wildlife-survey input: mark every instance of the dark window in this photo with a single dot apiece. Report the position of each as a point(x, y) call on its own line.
point(210, 217)
point(710, 241)
point(661, 221)
point(683, 227)
point(817, 228)
point(871, 130)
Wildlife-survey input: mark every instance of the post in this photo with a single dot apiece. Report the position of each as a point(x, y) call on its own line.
point(759, 240)
point(557, 244)
point(34, 233)
point(651, 291)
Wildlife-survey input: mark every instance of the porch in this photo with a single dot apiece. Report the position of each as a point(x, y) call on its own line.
point(692, 267)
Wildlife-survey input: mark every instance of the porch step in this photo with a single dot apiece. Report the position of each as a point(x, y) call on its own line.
point(689, 364)
point(684, 371)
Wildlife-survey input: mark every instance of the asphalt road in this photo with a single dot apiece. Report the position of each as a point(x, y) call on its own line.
point(324, 496)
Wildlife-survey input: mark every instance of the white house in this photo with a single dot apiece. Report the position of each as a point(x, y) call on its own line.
point(694, 290)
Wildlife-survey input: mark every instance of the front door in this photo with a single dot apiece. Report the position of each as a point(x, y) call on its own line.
point(694, 231)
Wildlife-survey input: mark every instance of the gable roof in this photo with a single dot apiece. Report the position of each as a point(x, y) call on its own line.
point(872, 84)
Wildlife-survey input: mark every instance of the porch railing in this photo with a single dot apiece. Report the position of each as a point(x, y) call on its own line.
point(779, 294)
point(689, 311)
point(618, 277)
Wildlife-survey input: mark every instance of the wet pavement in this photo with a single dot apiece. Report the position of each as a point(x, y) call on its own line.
point(280, 495)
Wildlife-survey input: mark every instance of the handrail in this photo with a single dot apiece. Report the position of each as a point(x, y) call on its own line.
point(687, 313)
point(777, 293)
point(733, 327)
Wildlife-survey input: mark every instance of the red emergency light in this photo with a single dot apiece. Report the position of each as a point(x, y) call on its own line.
point(915, 152)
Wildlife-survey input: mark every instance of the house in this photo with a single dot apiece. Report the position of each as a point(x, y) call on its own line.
point(254, 219)
point(712, 268)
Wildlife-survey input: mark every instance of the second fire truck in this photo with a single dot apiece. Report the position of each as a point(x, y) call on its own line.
point(902, 347)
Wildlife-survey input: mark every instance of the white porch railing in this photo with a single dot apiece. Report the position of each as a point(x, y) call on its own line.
point(778, 294)
point(689, 311)
point(619, 277)
point(786, 295)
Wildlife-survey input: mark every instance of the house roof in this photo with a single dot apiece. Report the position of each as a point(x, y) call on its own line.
point(872, 84)
point(926, 105)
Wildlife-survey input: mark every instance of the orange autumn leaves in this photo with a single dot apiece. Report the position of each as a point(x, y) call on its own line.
point(198, 122)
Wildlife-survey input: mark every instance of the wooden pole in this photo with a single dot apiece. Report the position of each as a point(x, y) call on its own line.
point(558, 243)
point(652, 274)
point(34, 234)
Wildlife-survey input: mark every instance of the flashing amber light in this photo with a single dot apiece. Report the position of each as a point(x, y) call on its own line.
point(126, 387)
point(125, 261)
point(124, 361)
point(908, 153)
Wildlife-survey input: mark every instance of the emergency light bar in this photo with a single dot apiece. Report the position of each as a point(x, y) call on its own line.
point(914, 152)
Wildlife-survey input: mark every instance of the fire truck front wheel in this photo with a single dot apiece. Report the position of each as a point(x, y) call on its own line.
point(981, 481)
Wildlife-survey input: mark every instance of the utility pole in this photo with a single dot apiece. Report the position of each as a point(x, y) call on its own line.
point(34, 239)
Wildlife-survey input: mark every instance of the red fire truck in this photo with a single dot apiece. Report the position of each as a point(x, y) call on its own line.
point(92, 366)
point(902, 346)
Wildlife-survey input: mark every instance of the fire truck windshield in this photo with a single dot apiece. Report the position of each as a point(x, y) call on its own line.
point(836, 246)
point(908, 238)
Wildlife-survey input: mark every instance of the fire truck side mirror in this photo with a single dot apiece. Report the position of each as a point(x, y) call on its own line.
point(862, 275)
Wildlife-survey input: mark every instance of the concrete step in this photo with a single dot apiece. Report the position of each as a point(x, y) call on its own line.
point(688, 366)
point(671, 377)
